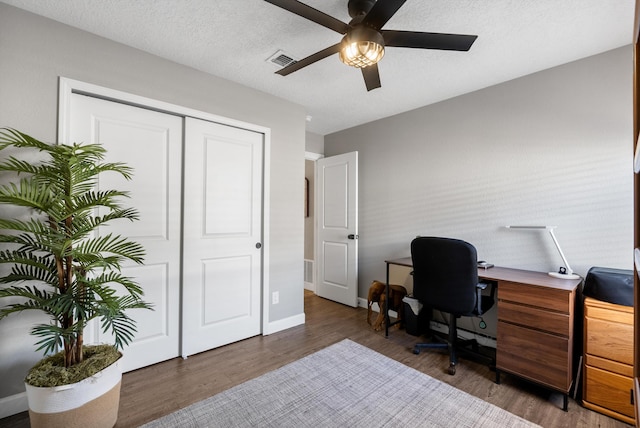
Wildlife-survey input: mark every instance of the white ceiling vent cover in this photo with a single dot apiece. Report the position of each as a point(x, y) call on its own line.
point(281, 59)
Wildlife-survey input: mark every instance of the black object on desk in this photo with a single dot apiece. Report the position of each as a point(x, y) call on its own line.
point(609, 285)
point(484, 265)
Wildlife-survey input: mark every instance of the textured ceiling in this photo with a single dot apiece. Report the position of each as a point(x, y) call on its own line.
point(232, 39)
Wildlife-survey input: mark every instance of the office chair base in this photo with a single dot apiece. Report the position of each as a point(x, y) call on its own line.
point(419, 346)
point(467, 347)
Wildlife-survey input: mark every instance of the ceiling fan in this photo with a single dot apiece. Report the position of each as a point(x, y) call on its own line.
point(364, 39)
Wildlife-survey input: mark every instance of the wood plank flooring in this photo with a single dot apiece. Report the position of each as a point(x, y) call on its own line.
point(154, 391)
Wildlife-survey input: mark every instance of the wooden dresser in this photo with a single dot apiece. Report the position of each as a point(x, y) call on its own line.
point(608, 362)
point(535, 327)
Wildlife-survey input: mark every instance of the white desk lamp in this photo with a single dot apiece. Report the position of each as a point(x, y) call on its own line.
point(565, 272)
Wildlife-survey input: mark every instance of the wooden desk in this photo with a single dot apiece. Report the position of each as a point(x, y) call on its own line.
point(535, 325)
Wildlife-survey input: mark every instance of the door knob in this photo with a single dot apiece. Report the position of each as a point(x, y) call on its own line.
point(258, 245)
point(352, 236)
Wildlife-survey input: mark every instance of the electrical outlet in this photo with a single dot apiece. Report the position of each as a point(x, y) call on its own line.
point(275, 298)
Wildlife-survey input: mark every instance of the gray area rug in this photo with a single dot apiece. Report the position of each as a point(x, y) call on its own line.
point(343, 385)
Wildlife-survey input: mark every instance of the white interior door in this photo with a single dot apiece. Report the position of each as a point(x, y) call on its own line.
point(151, 143)
point(222, 235)
point(337, 233)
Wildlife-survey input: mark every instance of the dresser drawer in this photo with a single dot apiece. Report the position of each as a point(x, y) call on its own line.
point(534, 355)
point(543, 297)
point(610, 340)
point(608, 311)
point(608, 390)
point(536, 318)
point(609, 365)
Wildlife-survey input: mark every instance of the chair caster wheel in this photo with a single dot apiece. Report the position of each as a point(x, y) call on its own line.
point(452, 369)
point(416, 351)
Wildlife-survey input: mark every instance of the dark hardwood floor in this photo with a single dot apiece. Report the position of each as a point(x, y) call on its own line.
point(154, 391)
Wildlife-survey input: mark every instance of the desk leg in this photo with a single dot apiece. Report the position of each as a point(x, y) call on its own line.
point(386, 306)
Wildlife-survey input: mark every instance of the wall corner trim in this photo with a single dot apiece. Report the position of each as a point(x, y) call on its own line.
point(283, 324)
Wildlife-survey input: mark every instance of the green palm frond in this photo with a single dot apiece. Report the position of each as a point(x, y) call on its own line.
point(27, 194)
point(20, 166)
point(59, 264)
point(53, 337)
point(46, 242)
point(82, 225)
point(37, 299)
point(20, 259)
point(119, 323)
point(90, 200)
point(98, 249)
point(15, 138)
point(32, 226)
point(29, 273)
point(112, 277)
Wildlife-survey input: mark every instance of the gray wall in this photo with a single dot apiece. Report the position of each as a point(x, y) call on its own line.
point(35, 51)
point(552, 148)
point(314, 143)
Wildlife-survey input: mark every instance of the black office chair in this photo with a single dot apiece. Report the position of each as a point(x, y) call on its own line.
point(445, 278)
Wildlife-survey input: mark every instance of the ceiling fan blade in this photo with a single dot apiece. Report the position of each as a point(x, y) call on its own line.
point(311, 14)
point(381, 12)
point(309, 60)
point(371, 77)
point(415, 39)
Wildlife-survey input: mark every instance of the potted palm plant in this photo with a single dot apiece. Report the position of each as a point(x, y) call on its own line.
point(56, 262)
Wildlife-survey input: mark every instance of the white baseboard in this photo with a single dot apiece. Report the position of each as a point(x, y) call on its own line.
point(439, 327)
point(283, 324)
point(13, 404)
point(309, 286)
point(374, 307)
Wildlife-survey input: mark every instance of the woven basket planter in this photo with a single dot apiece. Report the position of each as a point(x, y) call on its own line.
point(92, 402)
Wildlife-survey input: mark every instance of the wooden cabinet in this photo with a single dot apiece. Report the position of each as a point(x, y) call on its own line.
point(535, 329)
point(608, 359)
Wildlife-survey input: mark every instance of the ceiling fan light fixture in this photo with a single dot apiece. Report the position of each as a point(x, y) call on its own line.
point(362, 47)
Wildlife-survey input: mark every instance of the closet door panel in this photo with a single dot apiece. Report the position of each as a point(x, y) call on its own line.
point(222, 235)
point(151, 143)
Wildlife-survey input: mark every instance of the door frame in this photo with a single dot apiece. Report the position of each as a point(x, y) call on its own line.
point(314, 157)
point(67, 87)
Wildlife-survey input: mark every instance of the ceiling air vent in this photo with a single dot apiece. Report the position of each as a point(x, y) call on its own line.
point(281, 59)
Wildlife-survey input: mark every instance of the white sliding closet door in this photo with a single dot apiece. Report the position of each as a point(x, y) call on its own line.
point(151, 143)
point(198, 186)
point(222, 235)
